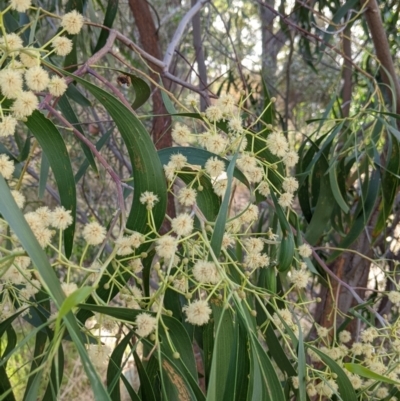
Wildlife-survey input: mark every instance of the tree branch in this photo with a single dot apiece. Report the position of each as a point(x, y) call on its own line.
point(381, 44)
point(198, 48)
point(179, 32)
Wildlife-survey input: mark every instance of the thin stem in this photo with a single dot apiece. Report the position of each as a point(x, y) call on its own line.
point(348, 287)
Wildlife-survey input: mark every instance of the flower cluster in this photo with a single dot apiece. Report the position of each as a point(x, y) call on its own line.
point(19, 280)
point(375, 352)
point(226, 135)
point(23, 73)
point(186, 263)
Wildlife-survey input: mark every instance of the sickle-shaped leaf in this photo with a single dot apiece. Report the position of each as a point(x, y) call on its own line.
point(115, 367)
point(220, 223)
point(183, 370)
point(345, 388)
point(148, 174)
point(368, 373)
point(111, 12)
point(52, 143)
point(69, 113)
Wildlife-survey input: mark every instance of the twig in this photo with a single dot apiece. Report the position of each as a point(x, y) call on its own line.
point(237, 61)
point(112, 88)
point(308, 34)
point(107, 49)
point(98, 55)
point(347, 286)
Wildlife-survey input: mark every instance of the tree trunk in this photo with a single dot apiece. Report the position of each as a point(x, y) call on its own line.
point(272, 43)
point(350, 266)
point(382, 50)
point(161, 129)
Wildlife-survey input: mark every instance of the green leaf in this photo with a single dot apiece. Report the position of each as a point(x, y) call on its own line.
point(208, 202)
point(220, 223)
point(181, 341)
point(278, 353)
point(208, 346)
point(146, 387)
point(183, 370)
point(140, 88)
point(56, 152)
point(35, 376)
point(6, 324)
point(99, 144)
point(109, 17)
point(321, 217)
point(56, 375)
point(71, 59)
point(130, 390)
point(142, 91)
point(264, 382)
point(337, 194)
point(239, 367)
point(346, 390)
point(69, 114)
point(11, 341)
point(286, 247)
point(361, 220)
point(337, 18)
point(301, 366)
point(76, 95)
point(13, 215)
point(170, 106)
point(198, 157)
point(6, 393)
point(148, 174)
point(5, 385)
point(268, 113)
point(71, 302)
point(44, 174)
point(221, 368)
point(115, 368)
point(390, 182)
point(369, 374)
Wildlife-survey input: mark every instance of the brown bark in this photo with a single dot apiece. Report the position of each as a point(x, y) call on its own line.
point(161, 129)
point(354, 270)
point(347, 72)
point(382, 50)
point(198, 47)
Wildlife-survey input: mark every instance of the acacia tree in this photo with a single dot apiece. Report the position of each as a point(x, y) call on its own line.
point(220, 300)
point(353, 266)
